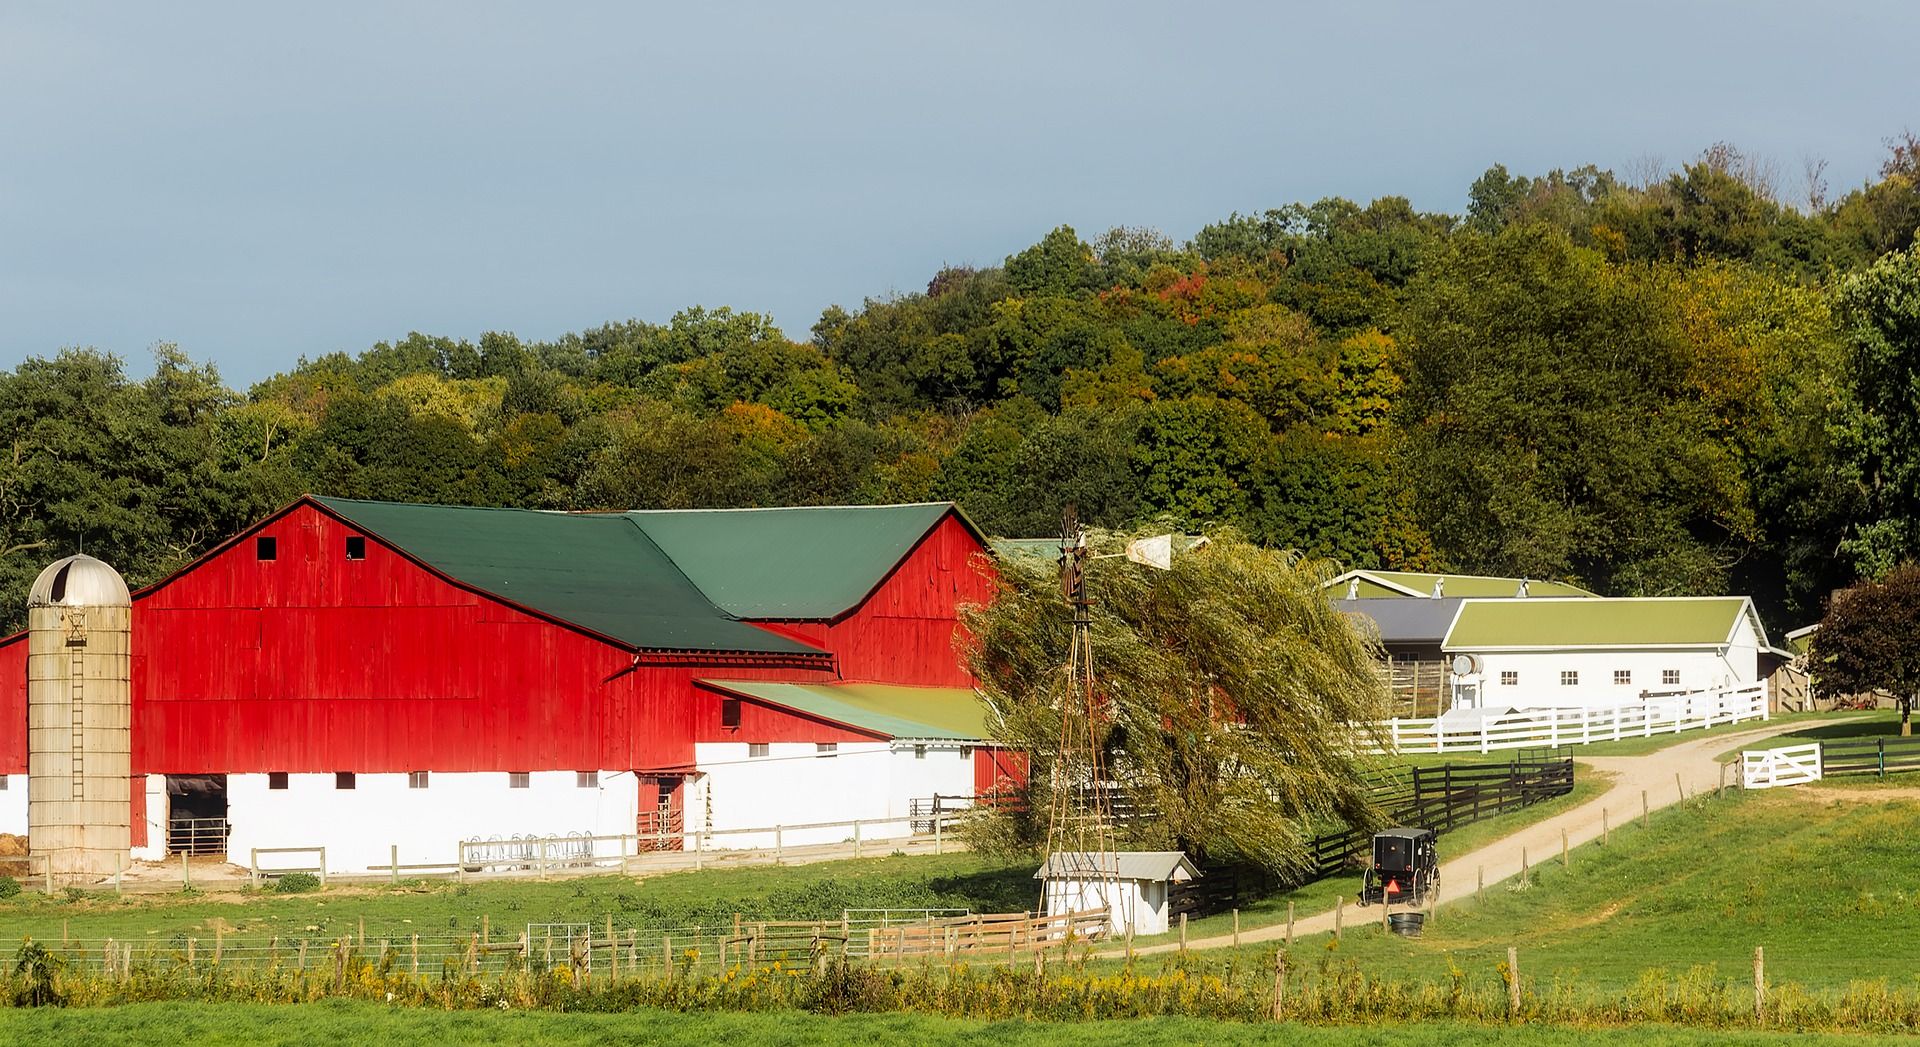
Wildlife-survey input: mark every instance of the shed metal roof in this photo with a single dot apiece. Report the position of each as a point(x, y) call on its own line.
point(1405, 621)
point(796, 562)
point(599, 572)
point(1653, 621)
point(1118, 865)
point(891, 710)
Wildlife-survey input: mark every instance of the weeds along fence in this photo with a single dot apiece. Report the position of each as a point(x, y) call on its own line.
point(1059, 986)
point(881, 935)
point(1439, 798)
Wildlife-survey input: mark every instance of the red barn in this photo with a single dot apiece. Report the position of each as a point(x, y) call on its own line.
point(363, 674)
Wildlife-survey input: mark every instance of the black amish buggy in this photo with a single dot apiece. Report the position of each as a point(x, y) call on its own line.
point(1405, 868)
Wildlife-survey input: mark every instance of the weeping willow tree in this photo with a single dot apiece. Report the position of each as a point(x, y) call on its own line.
point(1232, 700)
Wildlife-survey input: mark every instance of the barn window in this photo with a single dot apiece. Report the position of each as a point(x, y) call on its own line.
point(756, 748)
point(919, 752)
point(266, 548)
point(356, 547)
point(1670, 677)
point(276, 779)
point(343, 780)
point(730, 713)
point(1623, 676)
point(416, 779)
point(3, 783)
point(586, 779)
point(1569, 677)
point(1509, 677)
point(519, 779)
point(826, 748)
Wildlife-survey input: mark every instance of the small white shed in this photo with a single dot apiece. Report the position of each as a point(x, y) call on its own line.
point(1133, 886)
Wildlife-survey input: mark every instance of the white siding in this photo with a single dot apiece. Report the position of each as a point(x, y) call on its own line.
point(359, 825)
point(1141, 902)
point(1538, 674)
point(13, 804)
point(793, 785)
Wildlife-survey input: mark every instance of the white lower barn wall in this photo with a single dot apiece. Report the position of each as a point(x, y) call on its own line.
point(1537, 675)
point(795, 784)
point(13, 804)
point(359, 826)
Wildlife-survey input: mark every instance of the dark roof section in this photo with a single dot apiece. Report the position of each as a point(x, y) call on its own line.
point(598, 572)
point(811, 562)
point(1406, 621)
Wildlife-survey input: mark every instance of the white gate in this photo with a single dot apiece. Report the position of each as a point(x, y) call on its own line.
point(1766, 768)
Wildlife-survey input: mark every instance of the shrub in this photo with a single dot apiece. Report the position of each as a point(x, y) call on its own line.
point(295, 883)
point(9, 886)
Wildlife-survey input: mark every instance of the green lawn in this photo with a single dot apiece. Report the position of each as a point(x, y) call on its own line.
point(1827, 887)
point(352, 1023)
point(709, 898)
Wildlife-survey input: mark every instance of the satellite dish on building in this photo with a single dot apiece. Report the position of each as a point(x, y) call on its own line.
point(1465, 665)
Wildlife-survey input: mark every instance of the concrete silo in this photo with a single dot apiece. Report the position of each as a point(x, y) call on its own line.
point(79, 711)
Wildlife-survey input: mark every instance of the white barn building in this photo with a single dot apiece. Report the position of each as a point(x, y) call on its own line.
point(1545, 653)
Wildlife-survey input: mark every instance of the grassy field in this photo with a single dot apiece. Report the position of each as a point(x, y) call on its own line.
point(440, 907)
point(1826, 885)
point(342, 1022)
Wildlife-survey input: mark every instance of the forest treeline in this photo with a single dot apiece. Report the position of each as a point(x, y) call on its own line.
point(1678, 386)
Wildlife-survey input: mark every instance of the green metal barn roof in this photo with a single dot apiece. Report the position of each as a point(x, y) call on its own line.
point(599, 572)
point(796, 562)
point(893, 710)
point(1486, 625)
point(1419, 584)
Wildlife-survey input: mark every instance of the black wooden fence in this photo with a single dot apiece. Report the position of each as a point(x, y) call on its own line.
point(1438, 798)
point(1875, 756)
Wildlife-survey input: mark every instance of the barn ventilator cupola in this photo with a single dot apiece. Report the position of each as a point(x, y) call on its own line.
point(79, 714)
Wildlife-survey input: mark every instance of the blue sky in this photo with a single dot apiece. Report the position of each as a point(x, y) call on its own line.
point(259, 182)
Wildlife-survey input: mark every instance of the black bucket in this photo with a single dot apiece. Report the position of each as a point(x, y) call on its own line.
point(1407, 924)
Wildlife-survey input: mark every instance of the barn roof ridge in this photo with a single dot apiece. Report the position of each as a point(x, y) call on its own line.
point(613, 579)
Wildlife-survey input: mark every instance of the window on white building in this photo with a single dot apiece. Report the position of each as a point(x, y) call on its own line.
point(756, 748)
point(1623, 676)
point(919, 752)
point(1509, 677)
point(519, 779)
point(3, 783)
point(1569, 677)
point(586, 779)
point(343, 780)
point(276, 779)
point(416, 779)
point(966, 752)
point(826, 748)
point(1670, 677)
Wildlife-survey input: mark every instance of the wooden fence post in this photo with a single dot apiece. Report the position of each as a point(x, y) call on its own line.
point(219, 942)
point(303, 955)
point(1523, 867)
point(1513, 982)
point(1606, 829)
point(1236, 928)
point(1183, 932)
point(1289, 924)
point(393, 864)
point(1385, 907)
point(416, 954)
point(1339, 910)
point(1279, 982)
point(779, 846)
point(1643, 808)
point(938, 823)
point(1480, 885)
point(1759, 984)
point(1563, 850)
point(1678, 788)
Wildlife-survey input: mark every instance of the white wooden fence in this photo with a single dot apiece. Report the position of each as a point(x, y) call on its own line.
point(1532, 728)
point(1768, 768)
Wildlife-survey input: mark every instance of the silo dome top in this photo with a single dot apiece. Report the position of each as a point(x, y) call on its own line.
point(79, 581)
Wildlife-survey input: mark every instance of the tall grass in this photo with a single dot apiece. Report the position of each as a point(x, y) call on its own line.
point(1325, 990)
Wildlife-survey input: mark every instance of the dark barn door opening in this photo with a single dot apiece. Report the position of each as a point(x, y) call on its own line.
point(197, 814)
